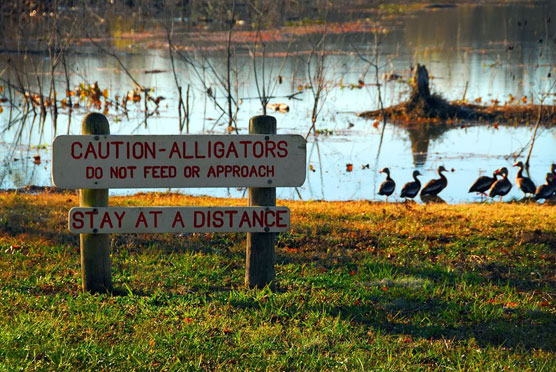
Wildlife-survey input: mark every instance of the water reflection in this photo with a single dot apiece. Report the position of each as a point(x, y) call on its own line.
point(476, 51)
point(420, 137)
point(432, 199)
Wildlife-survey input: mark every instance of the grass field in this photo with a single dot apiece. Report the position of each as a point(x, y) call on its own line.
point(360, 286)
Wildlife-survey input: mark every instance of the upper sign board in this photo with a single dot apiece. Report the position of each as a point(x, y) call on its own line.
point(120, 161)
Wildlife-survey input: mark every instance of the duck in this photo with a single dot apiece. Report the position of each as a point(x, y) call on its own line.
point(434, 186)
point(388, 186)
point(502, 186)
point(483, 183)
point(410, 189)
point(545, 191)
point(524, 183)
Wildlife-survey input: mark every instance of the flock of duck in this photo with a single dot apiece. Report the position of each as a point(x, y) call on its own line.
point(494, 186)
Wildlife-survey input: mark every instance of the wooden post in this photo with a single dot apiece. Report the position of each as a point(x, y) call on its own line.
point(259, 265)
point(95, 248)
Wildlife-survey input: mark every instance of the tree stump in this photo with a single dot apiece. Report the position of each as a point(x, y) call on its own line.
point(421, 82)
point(423, 104)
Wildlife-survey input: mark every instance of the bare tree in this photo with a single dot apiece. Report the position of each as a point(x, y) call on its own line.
point(183, 108)
point(225, 92)
point(317, 71)
point(266, 80)
point(376, 66)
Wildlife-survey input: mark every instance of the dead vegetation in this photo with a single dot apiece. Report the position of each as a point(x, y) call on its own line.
point(425, 107)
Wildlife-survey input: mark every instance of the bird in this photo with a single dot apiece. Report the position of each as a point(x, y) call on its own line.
point(524, 183)
point(483, 183)
point(410, 189)
point(502, 186)
point(434, 186)
point(388, 186)
point(546, 190)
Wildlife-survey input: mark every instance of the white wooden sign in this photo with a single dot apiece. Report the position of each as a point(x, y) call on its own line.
point(107, 220)
point(141, 161)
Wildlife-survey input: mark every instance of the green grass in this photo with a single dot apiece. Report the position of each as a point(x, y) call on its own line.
point(360, 286)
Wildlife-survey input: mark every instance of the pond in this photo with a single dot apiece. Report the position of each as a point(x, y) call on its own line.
point(483, 53)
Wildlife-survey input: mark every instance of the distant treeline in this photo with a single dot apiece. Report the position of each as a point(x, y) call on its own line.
point(215, 13)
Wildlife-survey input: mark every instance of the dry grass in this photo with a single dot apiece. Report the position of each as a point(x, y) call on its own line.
point(361, 286)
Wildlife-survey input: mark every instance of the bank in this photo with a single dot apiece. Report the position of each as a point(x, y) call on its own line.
point(360, 285)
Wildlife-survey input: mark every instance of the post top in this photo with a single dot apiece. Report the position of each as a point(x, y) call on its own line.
point(95, 123)
point(262, 124)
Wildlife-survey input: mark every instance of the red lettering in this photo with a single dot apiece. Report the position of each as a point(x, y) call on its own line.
point(155, 215)
point(106, 219)
point(143, 150)
point(231, 215)
point(211, 172)
point(137, 150)
point(270, 146)
point(281, 218)
point(119, 218)
point(106, 150)
point(175, 149)
point(146, 170)
point(270, 223)
point(97, 150)
point(191, 171)
point(177, 218)
point(77, 220)
point(217, 220)
point(245, 143)
point(141, 219)
point(283, 149)
point(198, 219)
point(232, 149)
point(197, 155)
point(91, 214)
point(73, 152)
point(258, 149)
point(159, 171)
point(184, 149)
point(245, 219)
point(90, 150)
point(150, 150)
point(258, 218)
point(117, 145)
point(219, 149)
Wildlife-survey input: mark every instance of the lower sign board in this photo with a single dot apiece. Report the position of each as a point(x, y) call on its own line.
point(107, 220)
point(141, 161)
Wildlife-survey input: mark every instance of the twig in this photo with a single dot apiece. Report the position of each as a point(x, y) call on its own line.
point(534, 136)
point(115, 56)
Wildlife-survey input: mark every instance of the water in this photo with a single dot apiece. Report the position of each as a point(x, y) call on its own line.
point(480, 51)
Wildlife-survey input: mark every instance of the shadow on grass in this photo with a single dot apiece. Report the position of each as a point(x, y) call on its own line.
point(489, 324)
point(395, 314)
point(532, 330)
